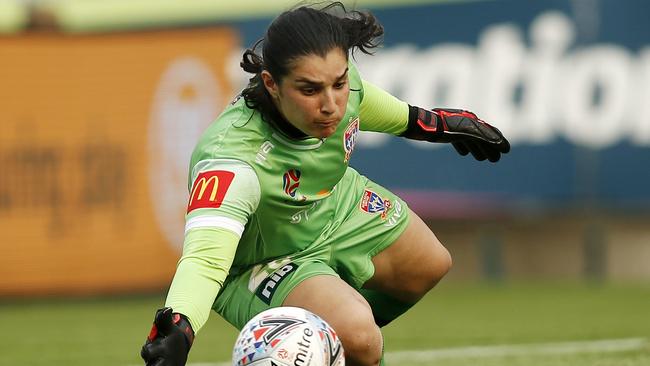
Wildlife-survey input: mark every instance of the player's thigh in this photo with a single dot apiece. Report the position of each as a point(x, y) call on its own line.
point(328, 296)
point(412, 264)
point(344, 309)
point(264, 286)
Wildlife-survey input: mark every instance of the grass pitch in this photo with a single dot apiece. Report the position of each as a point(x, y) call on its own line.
point(439, 330)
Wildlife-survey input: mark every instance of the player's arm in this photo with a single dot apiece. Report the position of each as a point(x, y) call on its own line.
point(223, 195)
point(207, 256)
point(382, 112)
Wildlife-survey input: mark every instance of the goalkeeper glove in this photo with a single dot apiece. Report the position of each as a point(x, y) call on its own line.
point(466, 132)
point(169, 341)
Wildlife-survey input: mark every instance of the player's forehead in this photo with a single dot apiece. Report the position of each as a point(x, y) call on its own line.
point(318, 69)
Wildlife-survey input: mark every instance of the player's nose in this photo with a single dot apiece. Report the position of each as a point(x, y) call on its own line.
point(328, 102)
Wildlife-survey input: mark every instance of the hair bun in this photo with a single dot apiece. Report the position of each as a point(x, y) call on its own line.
point(252, 62)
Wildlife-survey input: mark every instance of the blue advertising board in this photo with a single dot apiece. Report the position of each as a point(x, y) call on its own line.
point(568, 82)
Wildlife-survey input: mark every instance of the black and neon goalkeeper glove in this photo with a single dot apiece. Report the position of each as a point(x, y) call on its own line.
point(463, 129)
point(169, 341)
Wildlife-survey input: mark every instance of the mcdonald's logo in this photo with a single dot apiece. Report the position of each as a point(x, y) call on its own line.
point(209, 189)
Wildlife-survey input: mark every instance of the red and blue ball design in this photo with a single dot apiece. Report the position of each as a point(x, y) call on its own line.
point(291, 181)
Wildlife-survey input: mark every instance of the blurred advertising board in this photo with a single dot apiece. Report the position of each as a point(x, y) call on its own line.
point(92, 187)
point(567, 81)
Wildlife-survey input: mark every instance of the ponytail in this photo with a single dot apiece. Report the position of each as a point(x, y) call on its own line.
point(255, 94)
point(364, 31)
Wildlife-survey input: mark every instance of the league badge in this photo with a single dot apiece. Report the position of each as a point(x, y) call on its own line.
point(290, 184)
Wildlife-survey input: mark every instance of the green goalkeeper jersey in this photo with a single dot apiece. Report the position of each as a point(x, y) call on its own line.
point(257, 194)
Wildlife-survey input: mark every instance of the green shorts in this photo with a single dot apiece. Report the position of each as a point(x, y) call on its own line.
point(371, 219)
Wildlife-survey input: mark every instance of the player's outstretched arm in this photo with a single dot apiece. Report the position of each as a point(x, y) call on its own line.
point(169, 341)
point(382, 112)
point(463, 129)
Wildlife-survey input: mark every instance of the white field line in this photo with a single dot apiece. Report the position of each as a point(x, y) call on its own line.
point(601, 346)
point(536, 349)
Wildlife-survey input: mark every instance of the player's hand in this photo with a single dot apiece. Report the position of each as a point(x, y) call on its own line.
point(169, 341)
point(463, 129)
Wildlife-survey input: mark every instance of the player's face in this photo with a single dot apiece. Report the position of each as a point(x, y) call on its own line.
point(314, 95)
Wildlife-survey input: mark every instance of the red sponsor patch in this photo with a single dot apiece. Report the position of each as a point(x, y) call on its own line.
point(209, 189)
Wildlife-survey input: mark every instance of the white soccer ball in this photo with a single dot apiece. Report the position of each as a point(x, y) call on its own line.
point(287, 336)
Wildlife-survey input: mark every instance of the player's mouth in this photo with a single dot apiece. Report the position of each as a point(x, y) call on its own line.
point(327, 123)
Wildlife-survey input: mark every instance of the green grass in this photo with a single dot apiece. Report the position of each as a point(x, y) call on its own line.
point(110, 332)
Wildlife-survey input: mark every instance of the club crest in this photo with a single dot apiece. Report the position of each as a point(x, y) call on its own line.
point(372, 203)
point(349, 138)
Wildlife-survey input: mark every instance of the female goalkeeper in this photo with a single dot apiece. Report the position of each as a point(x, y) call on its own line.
point(277, 217)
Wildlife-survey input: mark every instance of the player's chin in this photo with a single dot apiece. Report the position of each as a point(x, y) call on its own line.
point(324, 131)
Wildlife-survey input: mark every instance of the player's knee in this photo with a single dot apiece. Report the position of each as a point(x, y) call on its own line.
point(432, 271)
point(442, 264)
point(439, 266)
point(362, 341)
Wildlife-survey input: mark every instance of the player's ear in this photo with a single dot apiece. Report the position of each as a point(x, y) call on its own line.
point(269, 83)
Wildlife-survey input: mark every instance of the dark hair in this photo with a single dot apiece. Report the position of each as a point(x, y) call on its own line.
point(304, 31)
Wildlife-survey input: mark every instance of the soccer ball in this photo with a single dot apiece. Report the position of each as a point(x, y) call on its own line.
point(287, 336)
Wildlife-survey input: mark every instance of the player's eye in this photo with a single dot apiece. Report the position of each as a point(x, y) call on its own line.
point(308, 91)
point(340, 84)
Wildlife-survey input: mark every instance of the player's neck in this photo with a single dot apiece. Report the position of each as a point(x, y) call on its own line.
point(278, 121)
